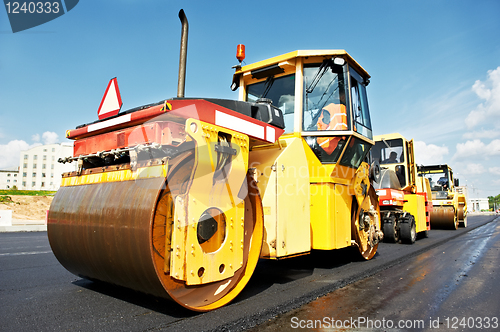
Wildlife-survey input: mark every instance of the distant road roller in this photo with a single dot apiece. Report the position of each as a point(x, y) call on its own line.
point(405, 199)
point(181, 198)
point(449, 206)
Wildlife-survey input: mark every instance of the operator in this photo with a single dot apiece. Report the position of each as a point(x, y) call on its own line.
point(443, 182)
point(393, 158)
point(327, 121)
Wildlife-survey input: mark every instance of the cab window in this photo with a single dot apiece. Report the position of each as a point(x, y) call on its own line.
point(388, 151)
point(359, 102)
point(324, 97)
point(327, 148)
point(355, 153)
point(281, 91)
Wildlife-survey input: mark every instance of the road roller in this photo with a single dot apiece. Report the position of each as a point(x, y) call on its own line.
point(449, 206)
point(181, 198)
point(405, 199)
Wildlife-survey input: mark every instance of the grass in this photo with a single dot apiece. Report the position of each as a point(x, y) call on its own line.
point(5, 199)
point(26, 192)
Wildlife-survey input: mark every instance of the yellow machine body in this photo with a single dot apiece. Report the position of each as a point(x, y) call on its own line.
point(415, 204)
point(181, 198)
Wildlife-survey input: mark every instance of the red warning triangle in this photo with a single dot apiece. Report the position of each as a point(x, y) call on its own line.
point(111, 102)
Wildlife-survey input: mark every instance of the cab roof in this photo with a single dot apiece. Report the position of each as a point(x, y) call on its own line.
point(303, 54)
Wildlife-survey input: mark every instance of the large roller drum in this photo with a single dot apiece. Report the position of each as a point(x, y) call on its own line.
point(120, 231)
point(443, 217)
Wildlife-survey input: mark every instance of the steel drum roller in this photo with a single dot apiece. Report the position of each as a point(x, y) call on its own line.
point(102, 231)
point(115, 232)
point(462, 216)
point(443, 217)
point(461, 213)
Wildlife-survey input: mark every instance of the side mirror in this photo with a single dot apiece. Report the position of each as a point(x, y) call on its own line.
point(456, 182)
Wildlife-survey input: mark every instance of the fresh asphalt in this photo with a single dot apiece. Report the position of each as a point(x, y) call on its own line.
point(453, 286)
point(38, 294)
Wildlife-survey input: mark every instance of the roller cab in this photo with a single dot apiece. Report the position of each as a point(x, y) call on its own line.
point(315, 181)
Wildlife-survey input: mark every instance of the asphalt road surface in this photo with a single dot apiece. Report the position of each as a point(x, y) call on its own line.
point(449, 274)
point(452, 287)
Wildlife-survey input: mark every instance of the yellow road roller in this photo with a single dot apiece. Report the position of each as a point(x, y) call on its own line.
point(449, 209)
point(181, 198)
point(405, 199)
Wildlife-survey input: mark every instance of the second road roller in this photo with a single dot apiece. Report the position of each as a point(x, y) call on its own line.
point(405, 198)
point(449, 209)
point(180, 198)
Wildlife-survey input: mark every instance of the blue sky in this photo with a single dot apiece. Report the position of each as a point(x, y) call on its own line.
point(435, 67)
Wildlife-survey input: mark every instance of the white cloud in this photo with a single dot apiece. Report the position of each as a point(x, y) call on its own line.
point(469, 148)
point(50, 137)
point(474, 169)
point(476, 148)
point(9, 153)
point(429, 154)
point(489, 110)
point(482, 134)
point(494, 170)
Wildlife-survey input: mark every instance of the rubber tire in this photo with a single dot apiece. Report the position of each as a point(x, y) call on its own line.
point(375, 171)
point(408, 230)
point(390, 229)
point(360, 236)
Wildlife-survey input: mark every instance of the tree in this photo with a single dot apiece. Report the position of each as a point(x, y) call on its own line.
point(494, 201)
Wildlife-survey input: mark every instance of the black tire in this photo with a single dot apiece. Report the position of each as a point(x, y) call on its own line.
point(422, 235)
point(391, 230)
point(408, 230)
point(374, 172)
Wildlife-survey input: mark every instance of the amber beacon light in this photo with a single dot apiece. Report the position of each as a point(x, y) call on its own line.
point(240, 52)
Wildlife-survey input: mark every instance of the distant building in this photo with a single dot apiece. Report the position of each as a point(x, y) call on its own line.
point(39, 169)
point(478, 205)
point(9, 178)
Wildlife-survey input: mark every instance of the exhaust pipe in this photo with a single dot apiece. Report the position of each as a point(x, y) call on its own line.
point(183, 56)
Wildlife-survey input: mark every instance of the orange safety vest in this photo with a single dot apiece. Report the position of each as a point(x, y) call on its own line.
point(333, 117)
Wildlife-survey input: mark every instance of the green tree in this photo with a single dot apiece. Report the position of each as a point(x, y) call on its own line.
point(494, 201)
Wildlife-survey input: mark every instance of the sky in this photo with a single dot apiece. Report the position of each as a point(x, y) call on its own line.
point(435, 67)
